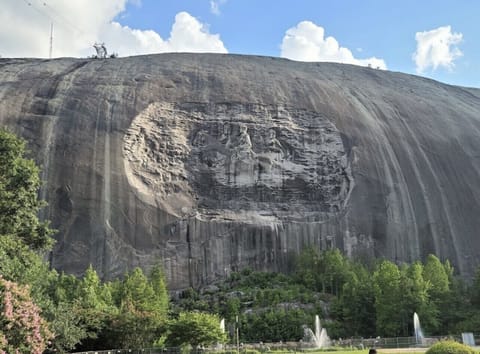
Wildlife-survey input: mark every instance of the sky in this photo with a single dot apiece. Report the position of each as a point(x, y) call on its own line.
point(438, 39)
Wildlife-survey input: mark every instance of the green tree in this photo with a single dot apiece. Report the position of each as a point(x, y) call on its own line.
point(22, 265)
point(326, 271)
point(92, 294)
point(469, 320)
point(92, 308)
point(307, 269)
point(475, 290)
point(19, 204)
point(157, 281)
point(145, 294)
point(66, 288)
point(334, 271)
point(388, 296)
point(142, 310)
point(458, 314)
point(232, 308)
point(132, 328)
point(356, 304)
point(23, 236)
point(68, 324)
point(416, 298)
point(439, 276)
point(195, 328)
point(274, 324)
point(436, 273)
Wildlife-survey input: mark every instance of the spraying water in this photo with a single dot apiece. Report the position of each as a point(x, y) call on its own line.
point(222, 325)
point(320, 337)
point(222, 328)
point(318, 330)
point(419, 338)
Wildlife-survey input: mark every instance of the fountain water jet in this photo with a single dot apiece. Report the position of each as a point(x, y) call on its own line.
point(419, 337)
point(222, 328)
point(319, 338)
point(318, 330)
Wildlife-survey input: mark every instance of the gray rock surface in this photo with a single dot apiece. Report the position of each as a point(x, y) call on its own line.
point(210, 163)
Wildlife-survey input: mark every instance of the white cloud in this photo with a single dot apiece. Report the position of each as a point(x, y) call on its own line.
point(190, 35)
point(25, 30)
point(437, 48)
point(187, 35)
point(215, 6)
point(307, 42)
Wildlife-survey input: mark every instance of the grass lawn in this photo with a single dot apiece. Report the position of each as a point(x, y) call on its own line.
point(379, 351)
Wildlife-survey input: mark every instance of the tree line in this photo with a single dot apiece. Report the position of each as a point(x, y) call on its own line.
point(353, 299)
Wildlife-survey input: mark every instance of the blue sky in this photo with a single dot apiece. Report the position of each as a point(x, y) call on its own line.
point(381, 28)
point(385, 34)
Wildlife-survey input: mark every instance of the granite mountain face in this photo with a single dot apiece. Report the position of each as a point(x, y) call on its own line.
point(211, 163)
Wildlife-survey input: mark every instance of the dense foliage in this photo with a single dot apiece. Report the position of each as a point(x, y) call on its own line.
point(353, 299)
point(66, 312)
point(19, 205)
point(195, 328)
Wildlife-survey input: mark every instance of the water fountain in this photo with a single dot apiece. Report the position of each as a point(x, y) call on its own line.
point(419, 337)
point(222, 325)
point(319, 338)
point(318, 331)
point(220, 346)
point(322, 339)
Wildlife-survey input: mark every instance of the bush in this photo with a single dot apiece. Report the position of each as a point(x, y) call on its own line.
point(22, 329)
point(449, 347)
point(195, 328)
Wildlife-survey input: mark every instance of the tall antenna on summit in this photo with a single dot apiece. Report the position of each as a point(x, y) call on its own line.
point(51, 41)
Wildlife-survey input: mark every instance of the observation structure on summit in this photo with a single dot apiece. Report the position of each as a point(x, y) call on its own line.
point(101, 50)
